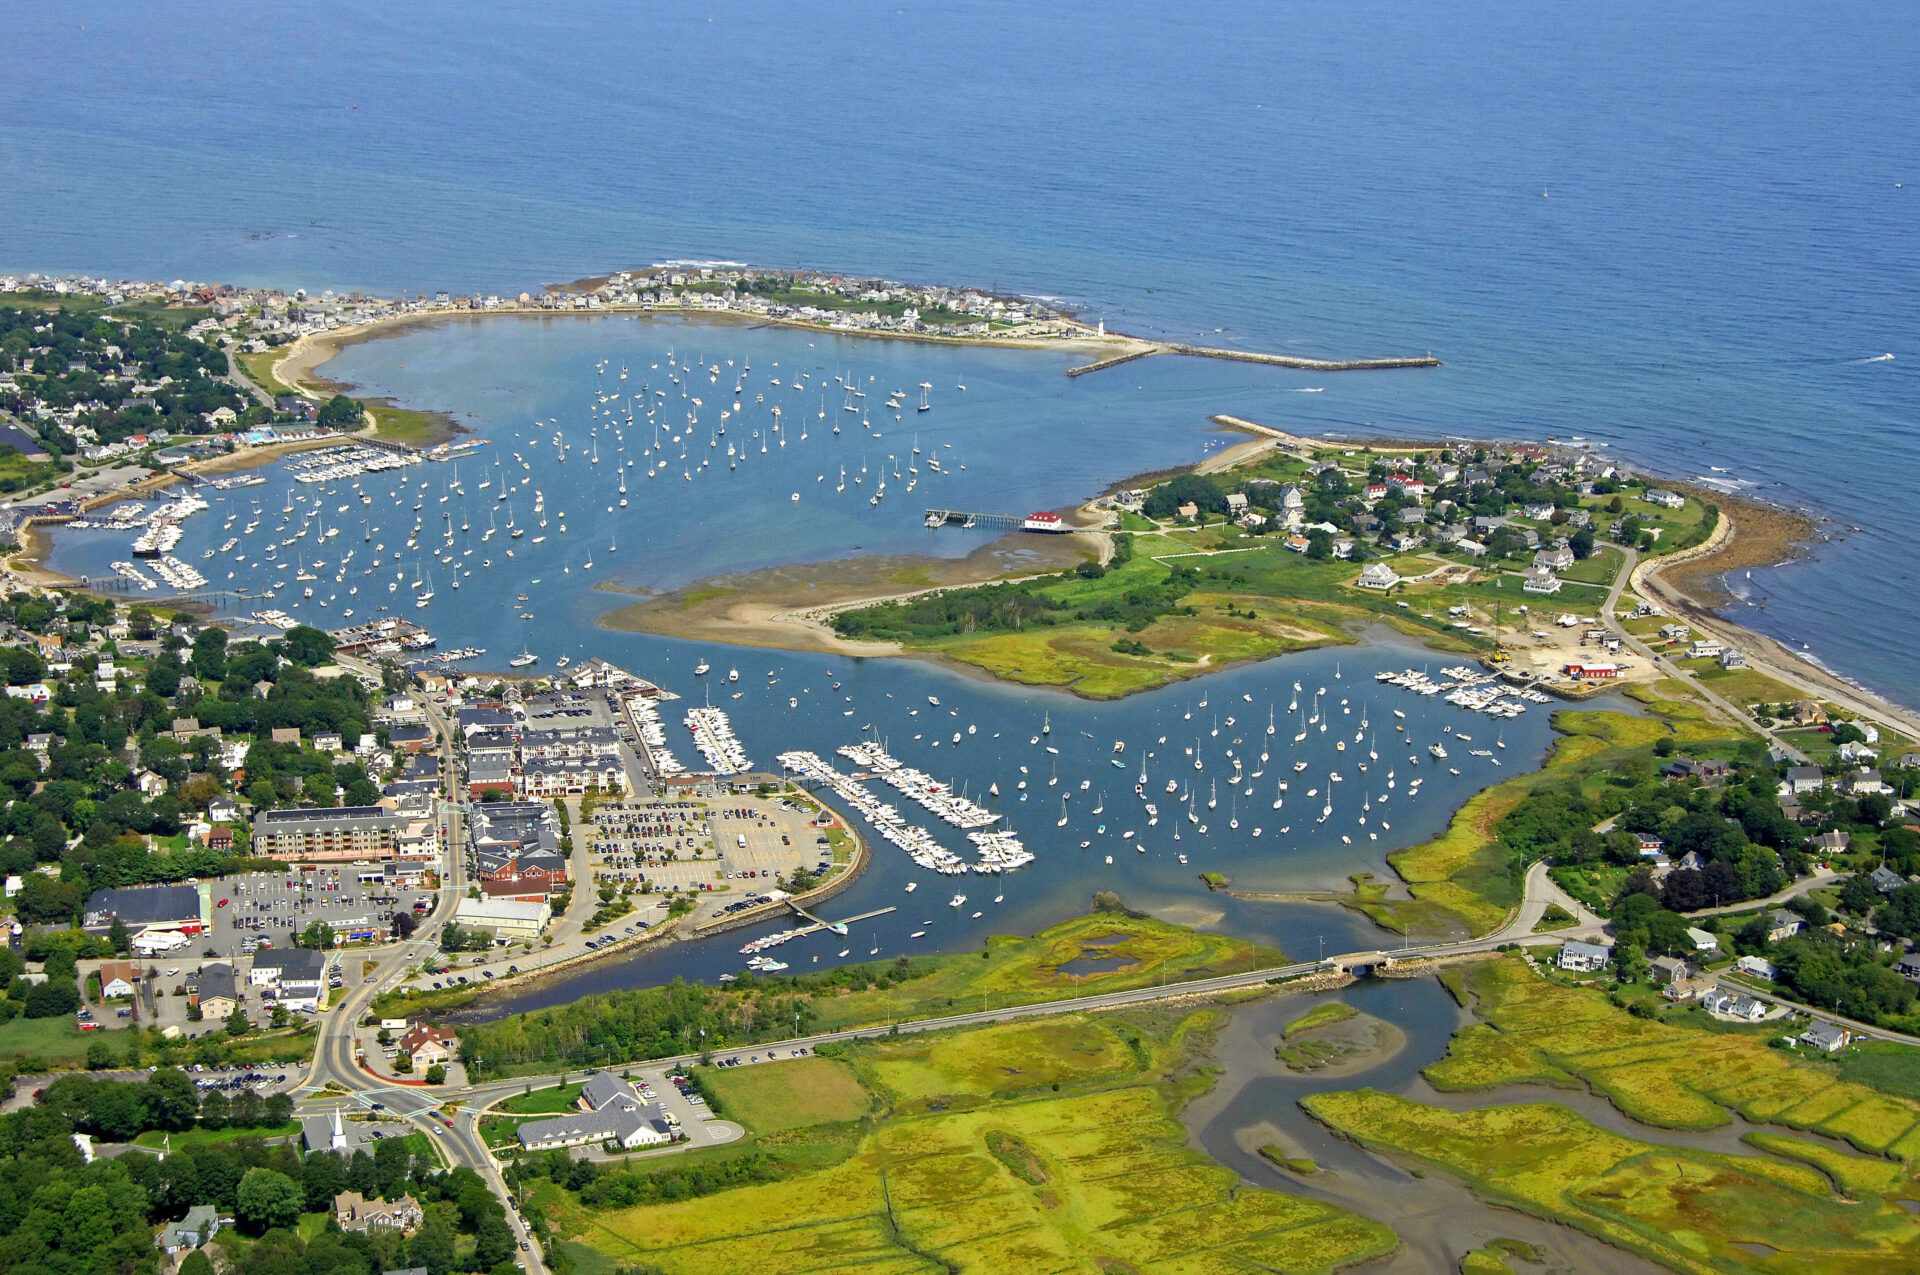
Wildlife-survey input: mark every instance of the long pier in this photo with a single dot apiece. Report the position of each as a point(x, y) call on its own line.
point(1254, 356)
point(945, 517)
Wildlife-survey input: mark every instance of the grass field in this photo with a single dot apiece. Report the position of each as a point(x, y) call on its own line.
point(1689, 1210)
point(1537, 1032)
point(1093, 1175)
point(789, 1095)
point(54, 1039)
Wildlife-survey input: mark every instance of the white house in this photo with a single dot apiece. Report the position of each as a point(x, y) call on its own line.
point(1584, 957)
point(1377, 575)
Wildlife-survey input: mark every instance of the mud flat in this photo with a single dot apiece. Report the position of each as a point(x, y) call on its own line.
point(1254, 1103)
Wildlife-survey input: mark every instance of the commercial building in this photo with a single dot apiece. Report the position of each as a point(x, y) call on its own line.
point(296, 976)
point(216, 993)
point(508, 920)
point(141, 908)
point(611, 1111)
point(329, 833)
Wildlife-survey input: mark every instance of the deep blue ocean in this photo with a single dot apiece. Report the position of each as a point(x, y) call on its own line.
point(1687, 234)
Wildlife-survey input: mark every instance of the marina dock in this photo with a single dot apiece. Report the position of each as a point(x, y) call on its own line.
point(947, 517)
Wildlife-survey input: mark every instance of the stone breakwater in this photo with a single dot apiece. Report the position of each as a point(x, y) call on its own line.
point(1253, 356)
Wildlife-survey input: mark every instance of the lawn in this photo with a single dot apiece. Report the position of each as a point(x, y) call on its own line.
point(1686, 1209)
point(550, 1100)
point(259, 368)
point(794, 1093)
point(53, 1039)
point(198, 1137)
point(1094, 1177)
point(1668, 1076)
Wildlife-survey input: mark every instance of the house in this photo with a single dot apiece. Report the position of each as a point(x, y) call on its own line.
point(1908, 967)
point(1855, 751)
point(1689, 986)
point(1835, 841)
point(1864, 783)
point(1705, 649)
point(223, 810)
point(1758, 966)
point(201, 1224)
point(1703, 941)
point(1885, 879)
point(1804, 779)
point(1825, 1037)
point(1782, 924)
point(1650, 845)
point(217, 993)
point(429, 1045)
point(1665, 969)
point(1732, 658)
point(1236, 504)
point(149, 784)
point(117, 978)
point(1665, 499)
point(355, 1212)
point(1675, 632)
point(1377, 575)
point(1690, 768)
point(1553, 559)
point(1188, 510)
point(1584, 958)
point(1735, 1005)
point(1540, 580)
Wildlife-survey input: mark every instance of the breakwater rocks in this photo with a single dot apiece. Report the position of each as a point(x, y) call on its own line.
point(1250, 356)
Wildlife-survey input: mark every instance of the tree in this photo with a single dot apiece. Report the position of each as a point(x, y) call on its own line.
point(237, 1024)
point(196, 1263)
point(436, 1075)
point(338, 411)
point(317, 935)
point(1582, 543)
point(118, 935)
point(215, 1110)
point(172, 1101)
point(404, 924)
point(55, 998)
point(267, 1199)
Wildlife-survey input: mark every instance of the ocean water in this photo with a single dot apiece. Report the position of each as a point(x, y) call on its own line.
point(1679, 234)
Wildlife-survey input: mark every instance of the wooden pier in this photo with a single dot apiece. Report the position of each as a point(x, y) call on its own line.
point(838, 927)
point(947, 517)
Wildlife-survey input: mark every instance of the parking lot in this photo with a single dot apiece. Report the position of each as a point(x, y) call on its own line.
point(260, 908)
point(736, 844)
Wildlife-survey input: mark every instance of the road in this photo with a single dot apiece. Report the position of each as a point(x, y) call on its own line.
point(1732, 712)
point(1540, 893)
point(1818, 881)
